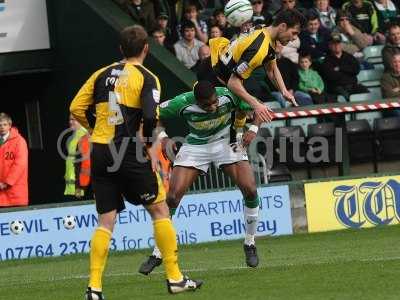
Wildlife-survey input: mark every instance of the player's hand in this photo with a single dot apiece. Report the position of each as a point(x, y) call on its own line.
point(248, 137)
point(289, 96)
point(152, 153)
point(263, 112)
point(166, 146)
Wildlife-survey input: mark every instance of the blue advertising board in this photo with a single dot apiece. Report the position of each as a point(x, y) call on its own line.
point(199, 218)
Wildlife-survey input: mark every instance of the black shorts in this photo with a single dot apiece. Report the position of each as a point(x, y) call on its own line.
point(133, 180)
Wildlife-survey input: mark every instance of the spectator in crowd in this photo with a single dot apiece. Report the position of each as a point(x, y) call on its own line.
point(291, 50)
point(339, 70)
point(387, 14)
point(364, 17)
point(289, 4)
point(290, 76)
point(13, 165)
point(142, 12)
point(171, 36)
point(390, 81)
point(353, 40)
point(204, 53)
point(201, 28)
point(215, 31)
point(326, 13)
point(187, 48)
point(310, 82)
point(392, 45)
point(77, 164)
point(260, 15)
point(159, 37)
point(314, 39)
point(219, 19)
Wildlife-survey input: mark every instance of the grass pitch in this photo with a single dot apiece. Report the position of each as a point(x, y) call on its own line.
point(362, 264)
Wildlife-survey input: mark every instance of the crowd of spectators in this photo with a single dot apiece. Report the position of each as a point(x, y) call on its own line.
point(331, 44)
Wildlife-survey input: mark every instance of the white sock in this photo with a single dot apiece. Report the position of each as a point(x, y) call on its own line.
point(156, 252)
point(251, 222)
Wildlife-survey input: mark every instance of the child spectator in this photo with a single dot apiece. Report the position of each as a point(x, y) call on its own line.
point(326, 13)
point(215, 32)
point(219, 19)
point(309, 80)
point(290, 76)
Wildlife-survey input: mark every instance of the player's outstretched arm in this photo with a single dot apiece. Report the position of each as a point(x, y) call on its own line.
point(235, 84)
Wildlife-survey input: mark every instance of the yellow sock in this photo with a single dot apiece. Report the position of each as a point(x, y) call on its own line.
point(98, 256)
point(165, 236)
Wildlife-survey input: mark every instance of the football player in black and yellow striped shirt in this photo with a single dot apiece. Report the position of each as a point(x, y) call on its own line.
point(234, 61)
point(125, 95)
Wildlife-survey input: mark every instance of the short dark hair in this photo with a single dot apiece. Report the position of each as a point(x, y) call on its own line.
point(187, 24)
point(132, 40)
point(393, 25)
point(305, 54)
point(312, 16)
point(203, 90)
point(291, 17)
point(190, 6)
point(217, 12)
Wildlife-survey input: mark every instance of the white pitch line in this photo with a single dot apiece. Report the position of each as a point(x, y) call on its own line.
point(26, 281)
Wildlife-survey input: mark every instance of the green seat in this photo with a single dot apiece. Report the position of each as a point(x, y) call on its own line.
point(373, 54)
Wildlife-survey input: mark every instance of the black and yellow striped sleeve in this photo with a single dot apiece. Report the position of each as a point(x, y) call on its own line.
point(150, 98)
point(83, 100)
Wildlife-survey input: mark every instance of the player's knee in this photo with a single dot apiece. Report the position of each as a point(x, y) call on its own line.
point(107, 220)
point(172, 200)
point(249, 192)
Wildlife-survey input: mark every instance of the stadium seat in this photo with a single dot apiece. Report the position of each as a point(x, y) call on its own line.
point(387, 133)
point(273, 125)
point(279, 173)
point(327, 131)
point(362, 147)
point(265, 134)
point(285, 140)
point(373, 54)
point(370, 78)
point(273, 105)
point(303, 122)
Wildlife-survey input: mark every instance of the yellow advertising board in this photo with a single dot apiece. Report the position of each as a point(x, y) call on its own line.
point(357, 203)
